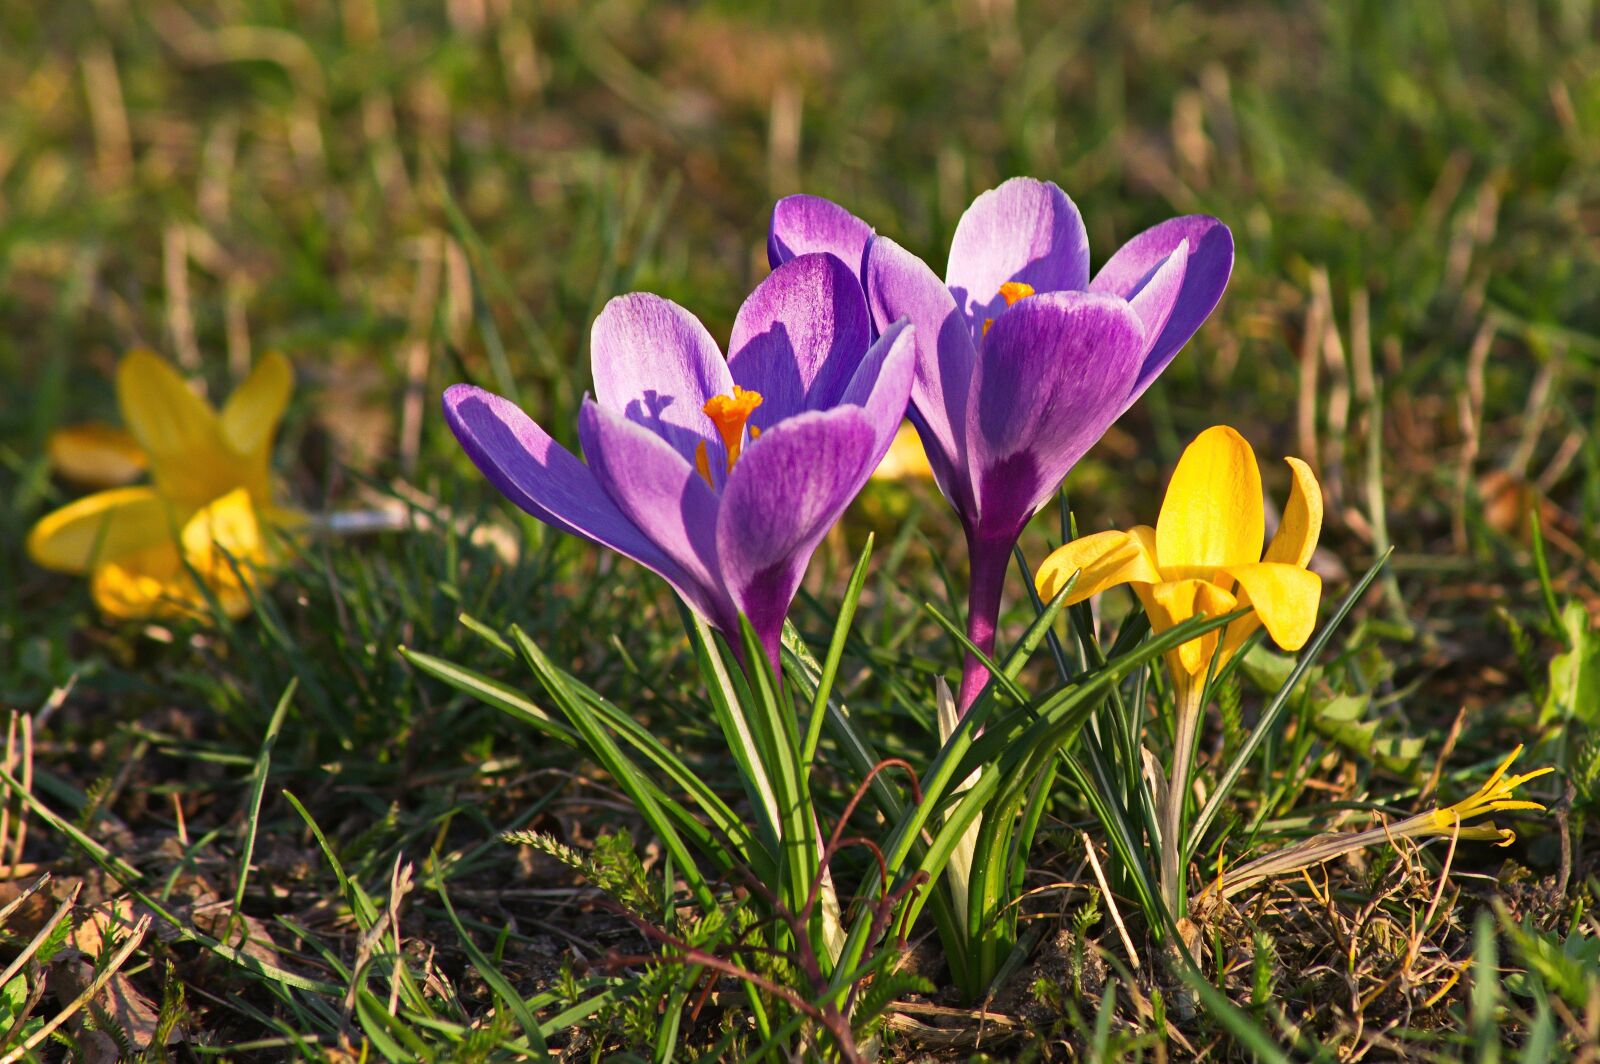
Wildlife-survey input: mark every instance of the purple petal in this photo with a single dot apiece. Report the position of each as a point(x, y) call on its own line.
point(784, 494)
point(1053, 373)
point(1026, 231)
point(655, 364)
point(882, 384)
point(799, 337)
point(1136, 265)
point(543, 478)
point(658, 491)
point(803, 224)
point(900, 285)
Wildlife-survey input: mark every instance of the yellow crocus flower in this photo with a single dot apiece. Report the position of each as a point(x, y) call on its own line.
point(1205, 556)
point(209, 496)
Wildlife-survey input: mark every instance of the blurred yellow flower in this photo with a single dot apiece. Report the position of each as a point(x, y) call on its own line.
point(905, 460)
point(210, 493)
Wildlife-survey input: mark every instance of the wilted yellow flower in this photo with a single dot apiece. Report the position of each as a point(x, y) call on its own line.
point(1497, 795)
point(210, 493)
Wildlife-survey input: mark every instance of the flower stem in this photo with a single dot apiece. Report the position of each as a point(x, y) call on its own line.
point(985, 584)
point(1187, 696)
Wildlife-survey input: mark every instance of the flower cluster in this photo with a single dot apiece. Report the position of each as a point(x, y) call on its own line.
point(721, 468)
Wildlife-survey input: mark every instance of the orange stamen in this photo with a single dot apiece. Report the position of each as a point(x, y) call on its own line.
point(1011, 292)
point(729, 413)
point(702, 464)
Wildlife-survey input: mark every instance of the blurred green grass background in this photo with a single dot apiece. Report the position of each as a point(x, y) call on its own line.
point(401, 195)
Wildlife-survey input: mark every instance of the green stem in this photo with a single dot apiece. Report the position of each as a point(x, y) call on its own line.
point(1187, 695)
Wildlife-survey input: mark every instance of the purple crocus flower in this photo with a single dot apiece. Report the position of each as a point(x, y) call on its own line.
point(719, 475)
point(1023, 360)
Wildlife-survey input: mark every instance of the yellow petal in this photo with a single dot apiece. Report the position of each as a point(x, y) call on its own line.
point(1172, 602)
point(250, 416)
point(229, 523)
point(905, 460)
point(105, 525)
point(158, 407)
point(1297, 533)
point(153, 584)
point(1211, 517)
point(1103, 560)
point(144, 584)
point(1285, 597)
point(159, 581)
point(224, 545)
point(191, 461)
point(96, 454)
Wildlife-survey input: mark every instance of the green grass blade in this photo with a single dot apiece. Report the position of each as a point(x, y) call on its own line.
point(830, 664)
point(258, 787)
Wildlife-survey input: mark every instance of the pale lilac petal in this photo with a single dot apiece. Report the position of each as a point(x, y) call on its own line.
point(655, 364)
point(803, 224)
point(799, 337)
point(784, 494)
point(657, 490)
point(882, 384)
point(544, 479)
point(900, 285)
point(1155, 302)
point(1138, 262)
point(1052, 377)
point(1026, 231)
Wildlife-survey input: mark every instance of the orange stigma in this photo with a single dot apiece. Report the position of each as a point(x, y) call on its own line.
point(1011, 292)
point(729, 413)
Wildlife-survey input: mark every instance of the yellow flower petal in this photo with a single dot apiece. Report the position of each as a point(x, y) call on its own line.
point(1211, 517)
point(102, 526)
point(96, 454)
point(905, 460)
point(1301, 526)
point(144, 583)
point(1172, 602)
point(229, 523)
point(159, 580)
point(158, 407)
point(1104, 560)
point(251, 414)
point(191, 461)
point(1284, 597)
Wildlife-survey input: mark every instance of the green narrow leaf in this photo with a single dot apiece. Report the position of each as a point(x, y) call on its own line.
point(258, 787)
point(830, 664)
point(492, 693)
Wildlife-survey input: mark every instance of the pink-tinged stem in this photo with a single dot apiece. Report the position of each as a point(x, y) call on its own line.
point(772, 643)
point(987, 581)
